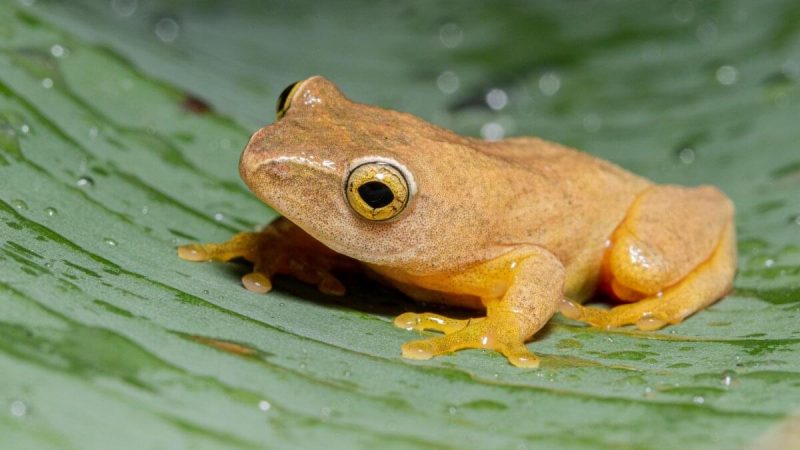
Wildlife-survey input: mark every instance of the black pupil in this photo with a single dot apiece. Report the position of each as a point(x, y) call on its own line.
point(376, 194)
point(283, 97)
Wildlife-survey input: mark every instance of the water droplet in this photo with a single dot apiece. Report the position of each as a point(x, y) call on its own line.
point(93, 132)
point(145, 210)
point(167, 29)
point(740, 15)
point(683, 11)
point(19, 205)
point(264, 405)
point(791, 69)
point(303, 366)
point(24, 128)
point(219, 217)
point(347, 374)
point(451, 35)
point(492, 131)
point(18, 408)
point(57, 50)
point(549, 83)
point(452, 410)
point(124, 8)
point(50, 211)
point(447, 82)
point(707, 32)
point(85, 182)
point(728, 378)
point(110, 241)
point(497, 99)
point(592, 122)
point(648, 392)
point(698, 400)
point(769, 263)
point(325, 412)
point(281, 304)
point(686, 155)
point(727, 75)
point(205, 292)
point(47, 83)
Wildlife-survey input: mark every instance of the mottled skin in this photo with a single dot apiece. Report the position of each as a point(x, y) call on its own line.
point(518, 228)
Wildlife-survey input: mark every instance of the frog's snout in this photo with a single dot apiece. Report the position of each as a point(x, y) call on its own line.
point(276, 169)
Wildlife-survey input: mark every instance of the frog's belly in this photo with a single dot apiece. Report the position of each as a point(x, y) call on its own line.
point(432, 296)
point(491, 279)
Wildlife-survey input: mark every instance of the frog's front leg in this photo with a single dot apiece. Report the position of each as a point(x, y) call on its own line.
point(535, 287)
point(280, 248)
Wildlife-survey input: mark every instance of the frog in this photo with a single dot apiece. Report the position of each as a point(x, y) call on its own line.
point(516, 229)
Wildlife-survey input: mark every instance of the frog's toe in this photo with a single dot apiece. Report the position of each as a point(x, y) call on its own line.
point(241, 245)
point(419, 350)
point(193, 252)
point(440, 345)
point(645, 315)
point(257, 282)
point(520, 356)
point(651, 323)
point(596, 317)
point(477, 333)
point(330, 285)
point(430, 321)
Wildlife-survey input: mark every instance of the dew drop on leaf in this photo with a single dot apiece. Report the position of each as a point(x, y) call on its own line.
point(18, 408)
point(19, 205)
point(85, 182)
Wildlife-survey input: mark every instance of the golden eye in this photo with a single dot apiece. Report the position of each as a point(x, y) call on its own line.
point(284, 100)
point(377, 191)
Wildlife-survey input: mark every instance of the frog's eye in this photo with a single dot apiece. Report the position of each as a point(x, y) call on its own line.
point(285, 99)
point(377, 191)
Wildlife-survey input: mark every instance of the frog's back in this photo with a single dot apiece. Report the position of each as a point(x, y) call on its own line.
point(538, 155)
point(566, 200)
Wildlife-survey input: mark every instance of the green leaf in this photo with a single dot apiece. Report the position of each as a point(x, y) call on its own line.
point(121, 125)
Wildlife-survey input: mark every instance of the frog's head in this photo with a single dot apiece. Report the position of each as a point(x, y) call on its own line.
point(380, 186)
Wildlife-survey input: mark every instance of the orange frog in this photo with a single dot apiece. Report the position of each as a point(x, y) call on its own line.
point(519, 228)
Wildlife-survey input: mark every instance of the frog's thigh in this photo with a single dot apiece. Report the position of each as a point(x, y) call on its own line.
point(707, 283)
point(668, 232)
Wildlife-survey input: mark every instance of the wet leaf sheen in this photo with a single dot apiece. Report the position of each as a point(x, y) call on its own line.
point(121, 125)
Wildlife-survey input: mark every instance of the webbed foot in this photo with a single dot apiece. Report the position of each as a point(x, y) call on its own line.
point(486, 332)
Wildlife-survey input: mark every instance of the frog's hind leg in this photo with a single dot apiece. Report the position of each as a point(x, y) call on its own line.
point(706, 284)
point(674, 254)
